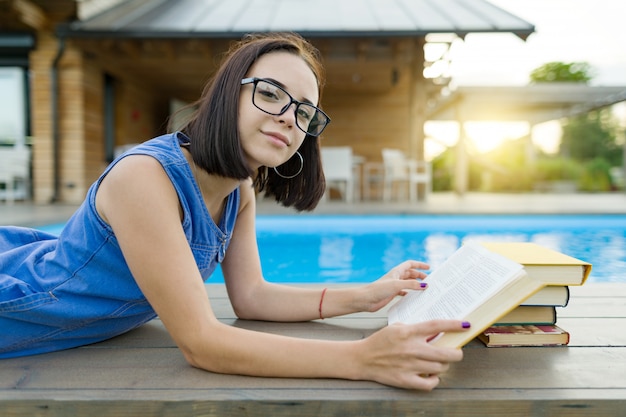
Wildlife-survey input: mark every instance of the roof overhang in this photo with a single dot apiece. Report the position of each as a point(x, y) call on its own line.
point(170, 19)
point(536, 103)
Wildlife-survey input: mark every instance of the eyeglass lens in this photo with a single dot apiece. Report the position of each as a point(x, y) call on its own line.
point(274, 100)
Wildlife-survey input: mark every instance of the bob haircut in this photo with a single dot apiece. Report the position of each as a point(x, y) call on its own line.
point(213, 128)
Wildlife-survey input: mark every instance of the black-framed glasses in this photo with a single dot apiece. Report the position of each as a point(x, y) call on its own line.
point(273, 99)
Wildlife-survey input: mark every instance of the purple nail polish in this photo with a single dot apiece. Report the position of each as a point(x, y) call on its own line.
point(423, 285)
point(466, 325)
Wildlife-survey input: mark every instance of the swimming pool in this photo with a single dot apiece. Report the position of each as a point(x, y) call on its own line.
point(361, 248)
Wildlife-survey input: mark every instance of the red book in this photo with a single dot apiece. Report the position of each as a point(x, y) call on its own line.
point(524, 335)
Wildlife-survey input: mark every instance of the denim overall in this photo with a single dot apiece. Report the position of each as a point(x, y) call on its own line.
point(76, 289)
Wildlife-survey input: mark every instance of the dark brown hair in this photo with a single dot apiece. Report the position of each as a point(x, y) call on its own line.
point(214, 133)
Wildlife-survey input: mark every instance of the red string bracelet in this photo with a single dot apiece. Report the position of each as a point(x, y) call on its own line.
point(321, 302)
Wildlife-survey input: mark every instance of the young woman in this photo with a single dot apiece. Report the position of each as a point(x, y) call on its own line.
point(157, 222)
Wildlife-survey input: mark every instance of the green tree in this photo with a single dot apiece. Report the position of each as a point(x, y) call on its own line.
point(577, 72)
point(596, 176)
point(588, 139)
point(591, 136)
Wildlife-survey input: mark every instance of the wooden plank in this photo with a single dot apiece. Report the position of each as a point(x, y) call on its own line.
point(32, 15)
point(143, 373)
point(490, 404)
point(598, 302)
point(156, 368)
point(610, 290)
point(604, 289)
point(296, 394)
point(598, 332)
point(165, 369)
point(594, 307)
point(595, 331)
point(157, 380)
point(154, 334)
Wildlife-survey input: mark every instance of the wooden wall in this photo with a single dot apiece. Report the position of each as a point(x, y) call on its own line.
point(73, 110)
point(369, 96)
point(41, 116)
point(368, 121)
point(372, 94)
point(375, 94)
point(140, 114)
point(141, 111)
point(79, 122)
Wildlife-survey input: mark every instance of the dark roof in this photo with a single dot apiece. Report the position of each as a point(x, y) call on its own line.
point(312, 18)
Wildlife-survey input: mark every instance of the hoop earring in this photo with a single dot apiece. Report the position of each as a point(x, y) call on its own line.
point(297, 173)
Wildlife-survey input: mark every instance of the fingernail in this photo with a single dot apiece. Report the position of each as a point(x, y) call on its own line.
point(423, 285)
point(466, 325)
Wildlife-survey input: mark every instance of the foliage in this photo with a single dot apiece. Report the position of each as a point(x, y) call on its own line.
point(591, 136)
point(505, 168)
point(577, 72)
point(589, 148)
point(443, 170)
point(596, 176)
point(557, 169)
point(590, 139)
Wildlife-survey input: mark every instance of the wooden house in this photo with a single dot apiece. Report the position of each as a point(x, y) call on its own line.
point(113, 79)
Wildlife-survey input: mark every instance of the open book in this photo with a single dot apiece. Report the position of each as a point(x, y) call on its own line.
point(474, 284)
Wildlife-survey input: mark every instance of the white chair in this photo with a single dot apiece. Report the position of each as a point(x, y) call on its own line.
point(15, 172)
point(373, 177)
point(401, 172)
point(337, 162)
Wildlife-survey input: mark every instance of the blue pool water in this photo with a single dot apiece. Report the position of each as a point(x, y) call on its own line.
point(340, 249)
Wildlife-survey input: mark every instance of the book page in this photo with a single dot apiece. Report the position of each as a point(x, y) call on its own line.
point(464, 281)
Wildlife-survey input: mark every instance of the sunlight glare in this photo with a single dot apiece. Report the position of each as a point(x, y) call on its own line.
point(619, 112)
point(440, 136)
point(547, 136)
point(486, 136)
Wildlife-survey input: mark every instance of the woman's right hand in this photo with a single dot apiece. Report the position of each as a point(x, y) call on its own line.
point(400, 355)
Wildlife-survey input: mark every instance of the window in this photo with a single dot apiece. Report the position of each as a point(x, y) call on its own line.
point(13, 109)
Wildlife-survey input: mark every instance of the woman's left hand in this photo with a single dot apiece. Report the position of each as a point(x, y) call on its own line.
point(406, 276)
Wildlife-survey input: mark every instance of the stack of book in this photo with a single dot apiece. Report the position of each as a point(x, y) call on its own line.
point(534, 321)
point(483, 283)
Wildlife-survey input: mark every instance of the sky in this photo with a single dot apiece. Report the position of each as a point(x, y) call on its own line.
point(565, 30)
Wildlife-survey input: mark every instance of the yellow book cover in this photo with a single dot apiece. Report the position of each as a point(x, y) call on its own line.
point(550, 266)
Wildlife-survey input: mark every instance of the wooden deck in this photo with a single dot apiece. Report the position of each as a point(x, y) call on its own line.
point(143, 374)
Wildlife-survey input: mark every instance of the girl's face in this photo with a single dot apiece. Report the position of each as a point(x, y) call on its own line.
point(269, 140)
